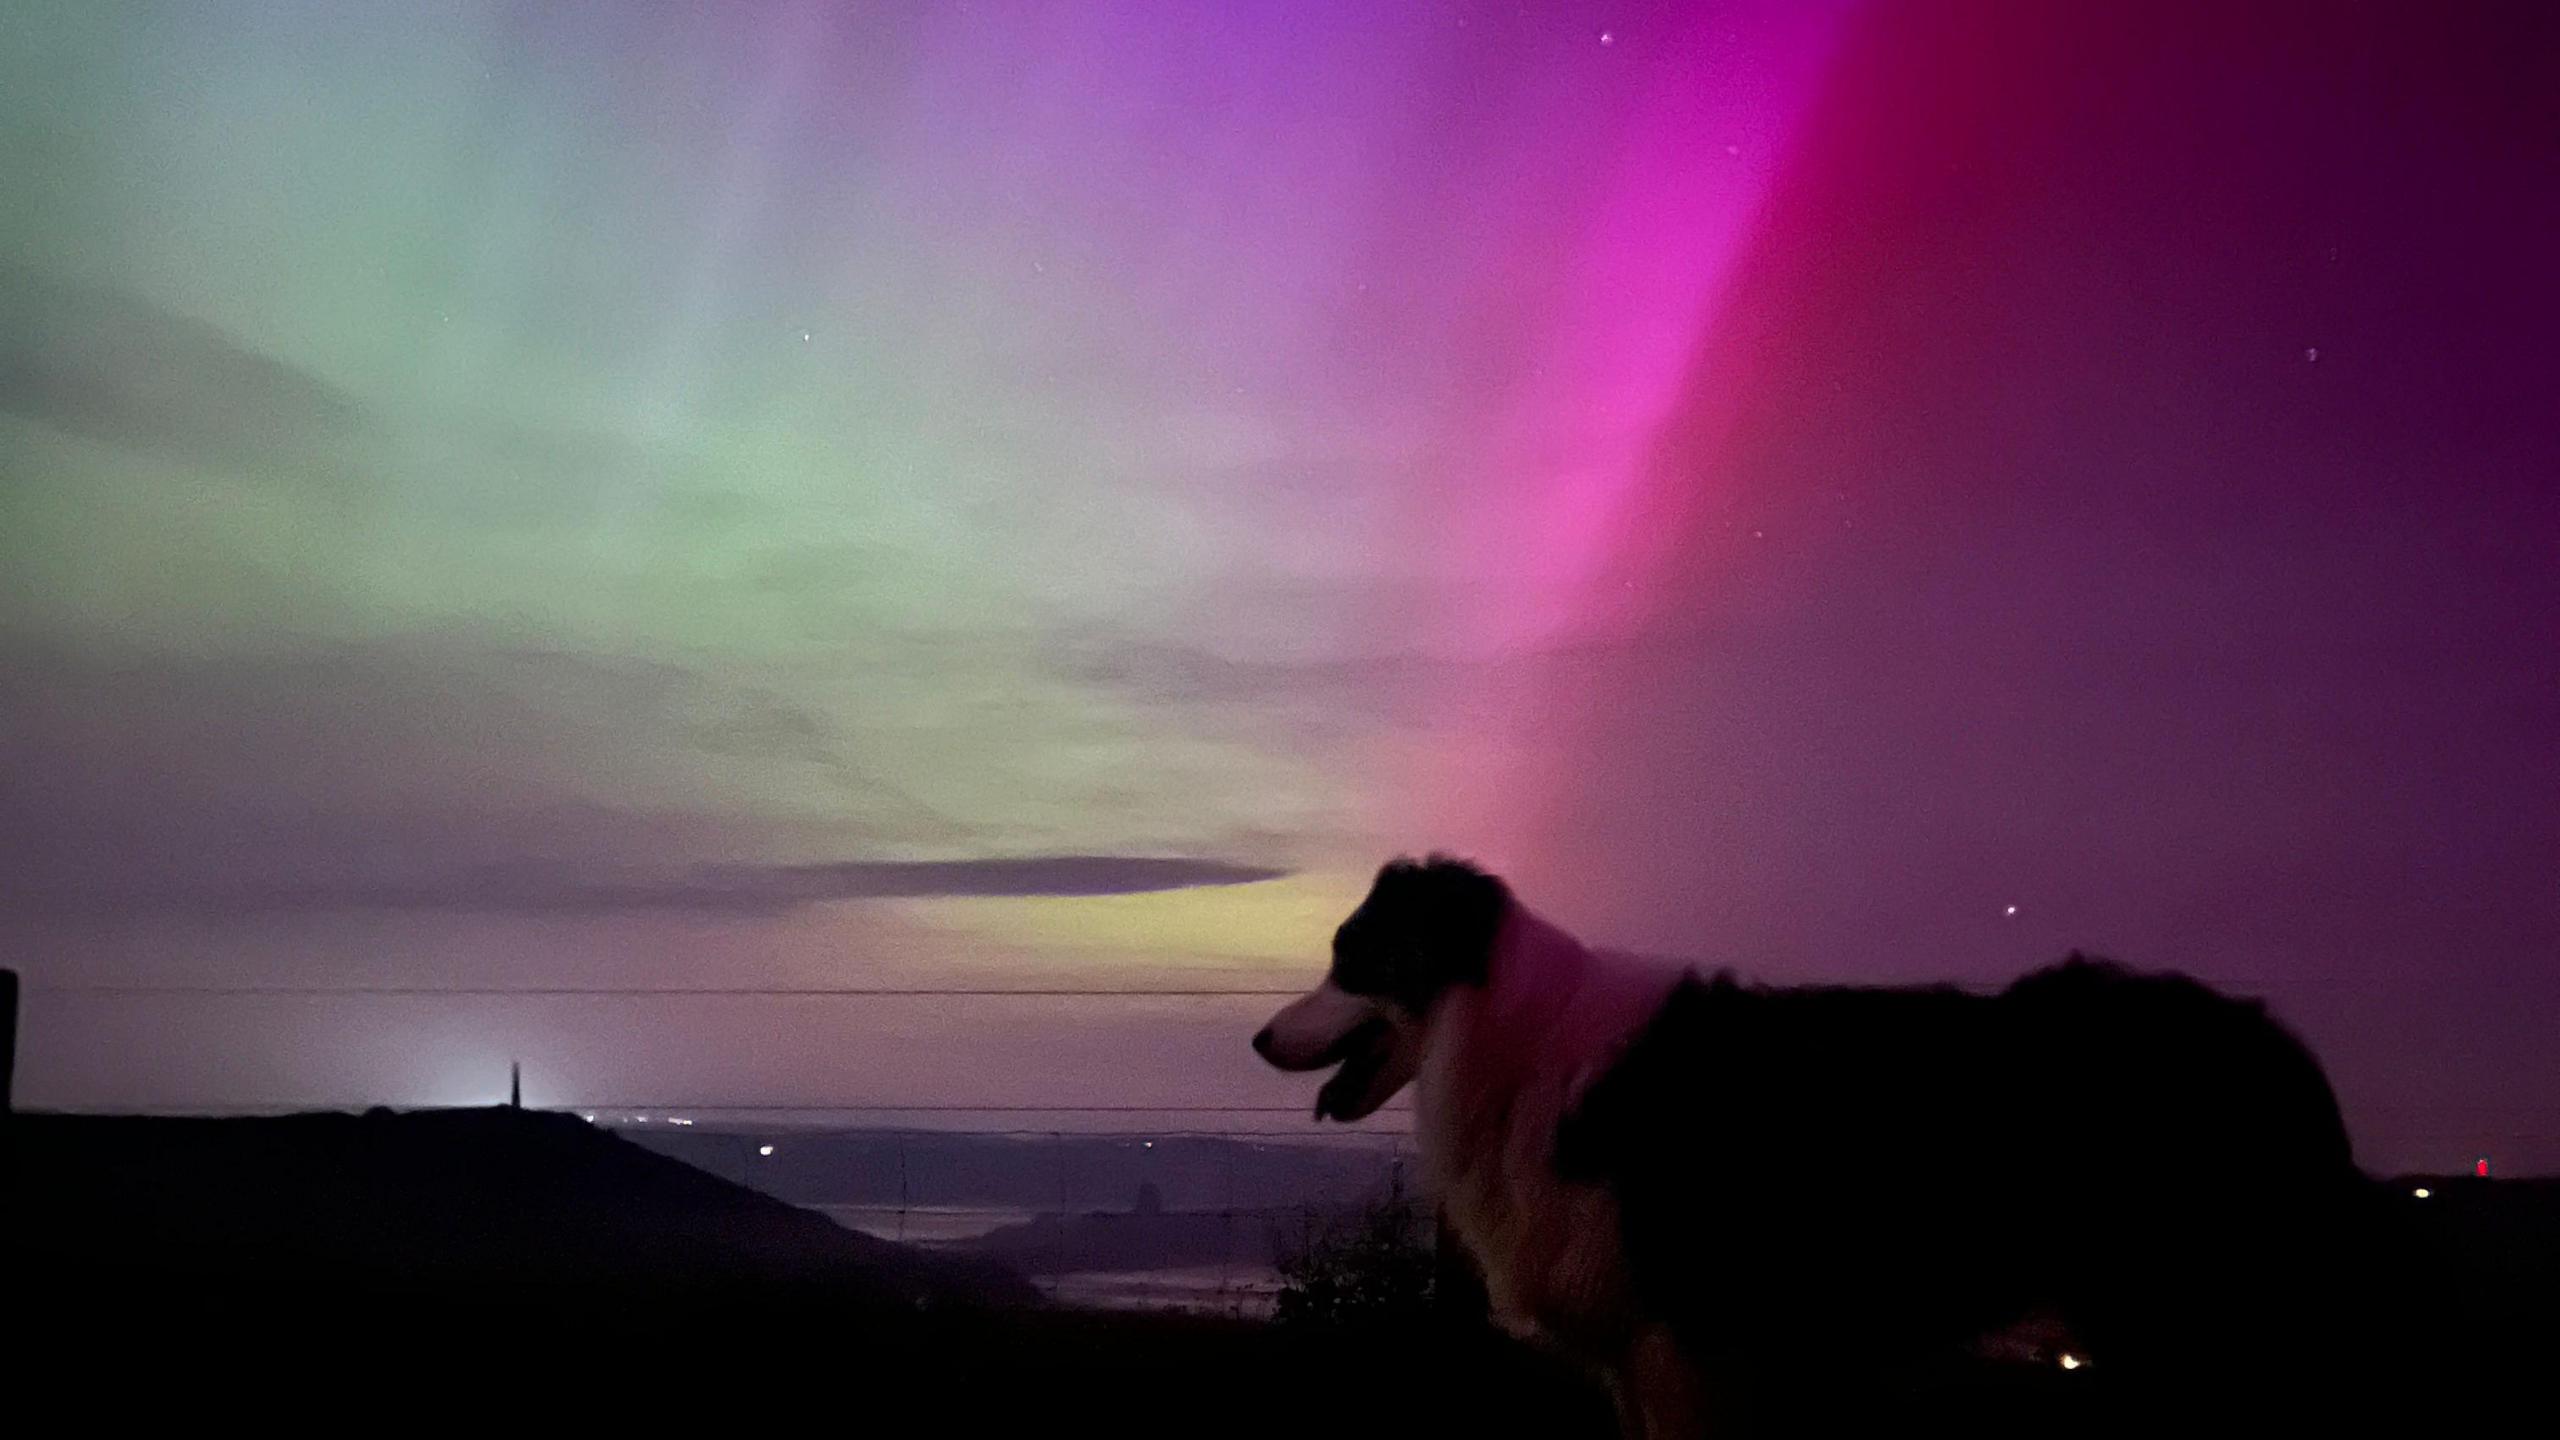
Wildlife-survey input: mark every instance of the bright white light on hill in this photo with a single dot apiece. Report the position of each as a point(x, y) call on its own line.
point(2422, 1192)
point(764, 1149)
point(2070, 1362)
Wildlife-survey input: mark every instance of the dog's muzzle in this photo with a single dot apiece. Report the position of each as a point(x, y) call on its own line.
point(1330, 1027)
point(1312, 1031)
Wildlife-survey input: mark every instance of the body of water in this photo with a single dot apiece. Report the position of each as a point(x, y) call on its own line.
point(1236, 1288)
point(931, 1225)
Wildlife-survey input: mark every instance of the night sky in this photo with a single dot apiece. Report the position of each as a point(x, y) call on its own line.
point(1015, 494)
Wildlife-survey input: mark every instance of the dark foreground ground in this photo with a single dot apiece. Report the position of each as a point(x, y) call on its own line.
point(515, 1268)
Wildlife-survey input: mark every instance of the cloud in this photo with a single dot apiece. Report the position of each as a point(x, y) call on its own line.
point(1356, 692)
point(551, 889)
point(1169, 673)
point(118, 368)
point(439, 773)
point(338, 767)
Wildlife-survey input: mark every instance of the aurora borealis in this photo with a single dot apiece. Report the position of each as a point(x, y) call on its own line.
point(582, 494)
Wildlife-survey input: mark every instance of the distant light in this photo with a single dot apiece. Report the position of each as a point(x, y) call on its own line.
point(2422, 1192)
point(2012, 910)
point(1151, 1144)
point(764, 1149)
point(640, 1119)
point(1608, 37)
point(2480, 1167)
point(590, 1119)
point(2070, 1362)
point(673, 1120)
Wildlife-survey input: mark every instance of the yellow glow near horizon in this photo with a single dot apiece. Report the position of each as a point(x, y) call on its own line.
point(1288, 921)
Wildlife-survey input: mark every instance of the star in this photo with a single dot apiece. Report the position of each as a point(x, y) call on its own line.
point(2012, 910)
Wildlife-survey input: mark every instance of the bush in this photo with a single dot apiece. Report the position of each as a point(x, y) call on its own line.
point(1374, 1266)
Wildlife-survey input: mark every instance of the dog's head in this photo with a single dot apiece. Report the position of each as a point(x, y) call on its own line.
point(1426, 926)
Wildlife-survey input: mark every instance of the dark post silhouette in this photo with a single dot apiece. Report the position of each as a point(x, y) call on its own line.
point(8, 1035)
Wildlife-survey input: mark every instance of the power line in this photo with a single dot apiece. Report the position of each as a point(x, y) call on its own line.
point(948, 1109)
point(886, 1209)
point(1301, 1134)
point(754, 1107)
point(673, 991)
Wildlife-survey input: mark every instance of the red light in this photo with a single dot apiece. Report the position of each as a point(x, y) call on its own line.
point(2480, 1167)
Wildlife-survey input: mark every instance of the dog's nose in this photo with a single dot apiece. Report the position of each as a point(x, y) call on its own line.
point(1262, 1043)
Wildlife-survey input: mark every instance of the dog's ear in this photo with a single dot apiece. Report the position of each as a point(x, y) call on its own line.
point(1426, 925)
point(1465, 907)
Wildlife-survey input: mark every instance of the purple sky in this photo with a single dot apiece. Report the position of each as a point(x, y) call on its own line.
point(795, 495)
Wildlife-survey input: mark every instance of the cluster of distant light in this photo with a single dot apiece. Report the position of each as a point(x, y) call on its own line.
point(591, 1117)
point(2480, 1167)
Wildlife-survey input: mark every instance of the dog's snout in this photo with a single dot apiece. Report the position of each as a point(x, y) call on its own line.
point(1262, 1042)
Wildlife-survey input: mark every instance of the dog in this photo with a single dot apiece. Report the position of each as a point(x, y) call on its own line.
point(1710, 1193)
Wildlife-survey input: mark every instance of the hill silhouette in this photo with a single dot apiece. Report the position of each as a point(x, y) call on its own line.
point(362, 1269)
point(370, 1267)
point(324, 1212)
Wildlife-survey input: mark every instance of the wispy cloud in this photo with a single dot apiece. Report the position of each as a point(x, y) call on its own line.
point(435, 773)
point(119, 368)
point(552, 889)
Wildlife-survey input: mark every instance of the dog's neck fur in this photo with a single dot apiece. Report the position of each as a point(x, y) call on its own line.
point(1551, 1011)
point(1507, 1060)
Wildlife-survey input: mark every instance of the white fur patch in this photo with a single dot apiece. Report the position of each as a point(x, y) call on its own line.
point(1309, 1029)
point(1505, 1063)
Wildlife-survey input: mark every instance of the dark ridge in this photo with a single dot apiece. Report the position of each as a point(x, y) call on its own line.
point(471, 1265)
point(421, 1208)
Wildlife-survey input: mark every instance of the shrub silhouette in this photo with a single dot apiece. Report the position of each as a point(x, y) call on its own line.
point(1374, 1266)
